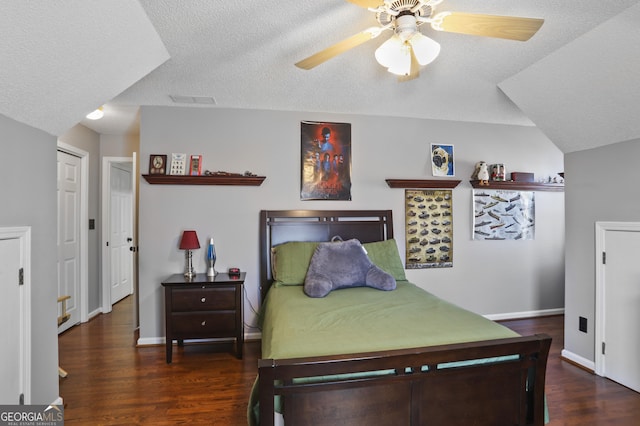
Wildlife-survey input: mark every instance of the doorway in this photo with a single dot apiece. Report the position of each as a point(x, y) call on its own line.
point(618, 302)
point(118, 229)
point(72, 235)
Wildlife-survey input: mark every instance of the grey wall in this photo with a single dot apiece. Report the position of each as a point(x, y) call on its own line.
point(28, 193)
point(89, 141)
point(488, 277)
point(601, 185)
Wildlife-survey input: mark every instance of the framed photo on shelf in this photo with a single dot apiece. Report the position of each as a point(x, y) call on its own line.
point(442, 160)
point(178, 164)
point(157, 164)
point(195, 165)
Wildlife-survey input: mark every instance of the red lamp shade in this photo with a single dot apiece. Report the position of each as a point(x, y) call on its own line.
point(189, 241)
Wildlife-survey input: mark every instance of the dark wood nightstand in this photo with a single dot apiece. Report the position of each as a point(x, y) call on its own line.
point(204, 308)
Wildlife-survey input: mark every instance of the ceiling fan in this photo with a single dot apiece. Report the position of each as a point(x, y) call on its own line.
point(408, 49)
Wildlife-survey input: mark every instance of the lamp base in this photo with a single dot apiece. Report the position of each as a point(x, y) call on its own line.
point(211, 272)
point(189, 272)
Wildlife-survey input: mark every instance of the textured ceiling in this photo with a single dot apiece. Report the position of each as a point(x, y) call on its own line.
point(593, 81)
point(61, 60)
point(242, 55)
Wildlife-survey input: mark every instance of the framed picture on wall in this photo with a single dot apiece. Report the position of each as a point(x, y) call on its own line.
point(428, 228)
point(503, 215)
point(325, 161)
point(442, 160)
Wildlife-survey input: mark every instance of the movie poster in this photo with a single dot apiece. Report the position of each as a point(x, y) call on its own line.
point(326, 161)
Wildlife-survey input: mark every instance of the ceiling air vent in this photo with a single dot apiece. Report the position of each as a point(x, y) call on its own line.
point(201, 100)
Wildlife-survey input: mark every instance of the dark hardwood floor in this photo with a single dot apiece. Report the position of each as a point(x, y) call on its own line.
point(111, 382)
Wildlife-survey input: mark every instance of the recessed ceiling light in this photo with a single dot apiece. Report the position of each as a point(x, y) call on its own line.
point(96, 115)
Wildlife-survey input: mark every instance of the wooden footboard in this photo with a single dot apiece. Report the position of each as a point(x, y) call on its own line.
point(415, 387)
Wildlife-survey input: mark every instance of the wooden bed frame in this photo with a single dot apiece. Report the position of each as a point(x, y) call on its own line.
point(492, 393)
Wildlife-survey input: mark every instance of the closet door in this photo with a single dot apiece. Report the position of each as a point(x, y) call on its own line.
point(621, 340)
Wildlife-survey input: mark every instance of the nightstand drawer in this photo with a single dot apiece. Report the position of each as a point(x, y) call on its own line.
point(203, 299)
point(205, 324)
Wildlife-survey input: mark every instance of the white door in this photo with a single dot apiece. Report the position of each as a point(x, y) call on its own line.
point(121, 231)
point(9, 313)
point(69, 234)
point(15, 315)
point(621, 292)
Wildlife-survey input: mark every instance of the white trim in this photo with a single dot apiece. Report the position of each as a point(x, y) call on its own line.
point(151, 341)
point(525, 314)
point(95, 313)
point(84, 225)
point(23, 234)
point(578, 359)
point(601, 229)
point(254, 335)
point(155, 341)
point(106, 223)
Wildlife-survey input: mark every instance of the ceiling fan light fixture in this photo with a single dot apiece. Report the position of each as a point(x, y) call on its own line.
point(96, 115)
point(402, 61)
point(389, 52)
point(425, 49)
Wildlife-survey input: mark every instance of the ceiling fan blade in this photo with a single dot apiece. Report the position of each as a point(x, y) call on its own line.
point(338, 48)
point(508, 27)
point(367, 3)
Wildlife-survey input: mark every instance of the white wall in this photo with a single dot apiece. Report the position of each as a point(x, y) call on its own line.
point(601, 185)
point(28, 194)
point(488, 277)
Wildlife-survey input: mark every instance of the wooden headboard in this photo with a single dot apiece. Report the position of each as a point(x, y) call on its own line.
point(281, 226)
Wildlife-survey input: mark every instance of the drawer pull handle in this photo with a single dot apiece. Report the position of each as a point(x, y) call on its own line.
point(204, 299)
point(204, 323)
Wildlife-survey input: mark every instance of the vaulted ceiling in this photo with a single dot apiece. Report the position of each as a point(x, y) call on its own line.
point(576, 79)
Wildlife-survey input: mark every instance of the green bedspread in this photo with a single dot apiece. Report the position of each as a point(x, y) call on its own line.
point(364, 320)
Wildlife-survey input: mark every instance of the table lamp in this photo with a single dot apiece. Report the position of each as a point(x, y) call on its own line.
point(189, 242)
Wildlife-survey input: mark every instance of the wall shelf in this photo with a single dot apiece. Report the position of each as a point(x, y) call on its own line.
point(238, 180)
point(520, 186)
point(422, 183)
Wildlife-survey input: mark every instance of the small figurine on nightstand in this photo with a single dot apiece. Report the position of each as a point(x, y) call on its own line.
point(481, 173)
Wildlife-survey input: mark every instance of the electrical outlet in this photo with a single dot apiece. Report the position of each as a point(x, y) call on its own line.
point(582, 326)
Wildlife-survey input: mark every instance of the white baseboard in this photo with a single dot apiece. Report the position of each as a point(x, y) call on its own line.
point(588, 364)
point(525, 314)
point(151, 341)
point(95, 313)
point(254, 335)
point(155, 341)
